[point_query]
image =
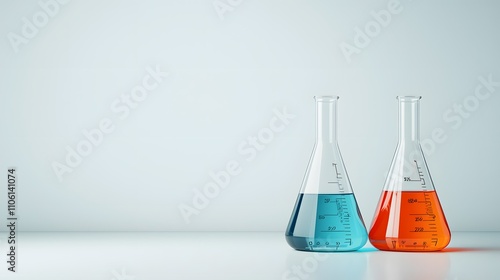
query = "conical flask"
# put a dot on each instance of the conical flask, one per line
(409, 216)
(326, 215)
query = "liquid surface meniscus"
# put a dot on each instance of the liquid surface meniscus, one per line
(409, 221)
(326, 222)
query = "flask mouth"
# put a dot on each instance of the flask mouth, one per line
(326, 98)
(408, 98)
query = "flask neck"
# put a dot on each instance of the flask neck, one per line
(326, 119)
(409, 119)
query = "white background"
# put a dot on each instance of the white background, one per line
(226, 78)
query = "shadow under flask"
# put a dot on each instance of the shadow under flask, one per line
(326, 217)
(409, 216)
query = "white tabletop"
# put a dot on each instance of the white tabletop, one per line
(241, 255)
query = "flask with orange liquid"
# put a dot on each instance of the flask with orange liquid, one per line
(409, 216)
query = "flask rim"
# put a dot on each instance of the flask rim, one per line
(408, 98)
(326, 98)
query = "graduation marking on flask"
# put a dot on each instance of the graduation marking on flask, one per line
(338, 176)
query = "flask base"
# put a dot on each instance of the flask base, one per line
(407, 245)
(324, 245)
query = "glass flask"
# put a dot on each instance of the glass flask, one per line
(326, 217)
(409, 216)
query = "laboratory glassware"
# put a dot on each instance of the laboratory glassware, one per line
(409, 216)
(326, 216)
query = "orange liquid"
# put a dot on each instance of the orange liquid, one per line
(409, 221)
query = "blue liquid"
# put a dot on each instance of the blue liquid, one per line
(326, 223)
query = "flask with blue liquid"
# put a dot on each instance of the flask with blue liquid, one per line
(326, 217)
